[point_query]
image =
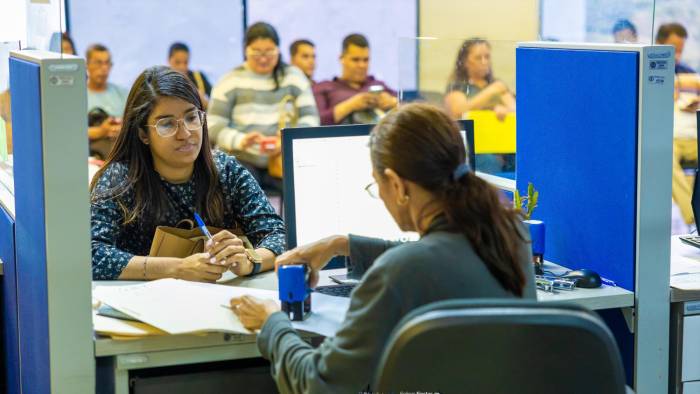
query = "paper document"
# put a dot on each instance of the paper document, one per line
(686, 281)
(122, 328)
(182, 307)
(178, 306)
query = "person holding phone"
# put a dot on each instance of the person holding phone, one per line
(104, 97)
(471, 246)
(161, 171)
(355, 96)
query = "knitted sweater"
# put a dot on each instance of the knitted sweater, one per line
(243, 101)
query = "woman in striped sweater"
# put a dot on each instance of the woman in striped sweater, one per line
(250, 103)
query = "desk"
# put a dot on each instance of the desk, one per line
(684, 369)
(122, 356)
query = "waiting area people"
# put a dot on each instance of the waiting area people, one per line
(250, 105)
(686, 100)
(303, 55)
(105, 101)
(354, 96)
(472, 85)
(179, 60)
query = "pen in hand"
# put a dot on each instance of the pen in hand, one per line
(203, 228)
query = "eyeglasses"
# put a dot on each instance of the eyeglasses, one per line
(255, 54)
(192, 121)
(373, 190)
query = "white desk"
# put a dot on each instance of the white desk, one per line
(685, 320)
(121, 356)
(150, 352)
(605, 297)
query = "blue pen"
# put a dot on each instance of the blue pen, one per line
(201, 225)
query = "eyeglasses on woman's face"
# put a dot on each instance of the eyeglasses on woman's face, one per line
(192, 121)
(373, 190)
(258, 54)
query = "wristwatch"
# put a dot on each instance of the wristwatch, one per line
(255, 260)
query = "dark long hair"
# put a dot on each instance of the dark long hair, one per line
(423, 145)
(263, 30)
(150, 202)
(460, 73)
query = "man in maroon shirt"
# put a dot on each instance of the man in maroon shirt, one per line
(354, 97)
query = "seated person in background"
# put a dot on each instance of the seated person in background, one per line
(105, 101)
(624, 32)
(471, 245)
(67, 45)
(355, 96)
(687, 97)
(6, 115)
(675, 34)
(179, 60)
(162, 171)
(472, 85)
(250, 104)
(303, 55)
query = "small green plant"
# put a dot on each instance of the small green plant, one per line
(526, 205)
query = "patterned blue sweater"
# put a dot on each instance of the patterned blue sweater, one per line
(114, 244)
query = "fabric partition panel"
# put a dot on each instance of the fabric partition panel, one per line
(580, 152)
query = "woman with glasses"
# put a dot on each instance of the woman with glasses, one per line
(162, 171)
(247, 105)
(471, 246)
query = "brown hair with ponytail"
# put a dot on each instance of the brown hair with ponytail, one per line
(422, 144)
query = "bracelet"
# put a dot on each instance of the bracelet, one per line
(145, 260)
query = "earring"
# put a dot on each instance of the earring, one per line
(403, 200)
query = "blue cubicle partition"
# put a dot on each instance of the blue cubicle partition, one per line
(10, 335)
(594, 136)
(579, 150)
(51, 266)
(31, 280)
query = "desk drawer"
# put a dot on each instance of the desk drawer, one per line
(691, 349)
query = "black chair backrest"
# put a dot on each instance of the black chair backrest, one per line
(501, 346)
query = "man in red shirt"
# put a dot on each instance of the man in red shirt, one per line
(355, 96)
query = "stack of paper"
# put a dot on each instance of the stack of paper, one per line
(685, 266)
(175, 306)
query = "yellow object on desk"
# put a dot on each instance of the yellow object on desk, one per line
(492, 135)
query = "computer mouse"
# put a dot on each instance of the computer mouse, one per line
(584, 278)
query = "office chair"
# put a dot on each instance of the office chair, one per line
(501, 346)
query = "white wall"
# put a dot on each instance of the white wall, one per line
(327, 22)
(503, 22)
(139, 33)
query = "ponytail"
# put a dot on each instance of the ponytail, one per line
(474, 208)
(423, 145)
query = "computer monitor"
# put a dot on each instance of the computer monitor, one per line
(326, 170)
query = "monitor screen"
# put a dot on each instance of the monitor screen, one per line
(326, 171)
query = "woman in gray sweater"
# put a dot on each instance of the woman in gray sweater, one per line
(471, 246)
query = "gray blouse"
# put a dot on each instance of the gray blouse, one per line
(395, 280)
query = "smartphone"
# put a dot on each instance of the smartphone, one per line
(376, 89)
(344, 280)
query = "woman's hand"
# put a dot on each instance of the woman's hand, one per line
(252, 311)
(228, 250)
(501, 112)
(316, 255)
(249, 140)
(198, 268)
